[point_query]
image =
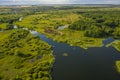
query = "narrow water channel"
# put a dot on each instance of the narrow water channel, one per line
(96, 63)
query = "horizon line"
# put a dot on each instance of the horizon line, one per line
(57, 4)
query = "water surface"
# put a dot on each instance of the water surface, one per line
(96, 63)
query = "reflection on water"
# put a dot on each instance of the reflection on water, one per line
(108, 40)
(62, 27)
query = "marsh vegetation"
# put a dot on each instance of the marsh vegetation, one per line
(28, 57)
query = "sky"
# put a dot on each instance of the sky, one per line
(18, 2)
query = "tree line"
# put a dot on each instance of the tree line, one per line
(98, 24)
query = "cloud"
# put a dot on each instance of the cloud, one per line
(97, 1)
(42, 1)
(112, 1)
(53, 1)
(18, 2)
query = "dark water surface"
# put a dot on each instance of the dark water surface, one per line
(80, 64)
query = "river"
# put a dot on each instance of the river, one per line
(96, 63)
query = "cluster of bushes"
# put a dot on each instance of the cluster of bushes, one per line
(24, 56)
(11, 40)
(99, 24)
(41, 71)
(9, 18)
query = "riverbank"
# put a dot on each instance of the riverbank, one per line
(76, 38)
(118, 66)
(98, 52)
(116, 44)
